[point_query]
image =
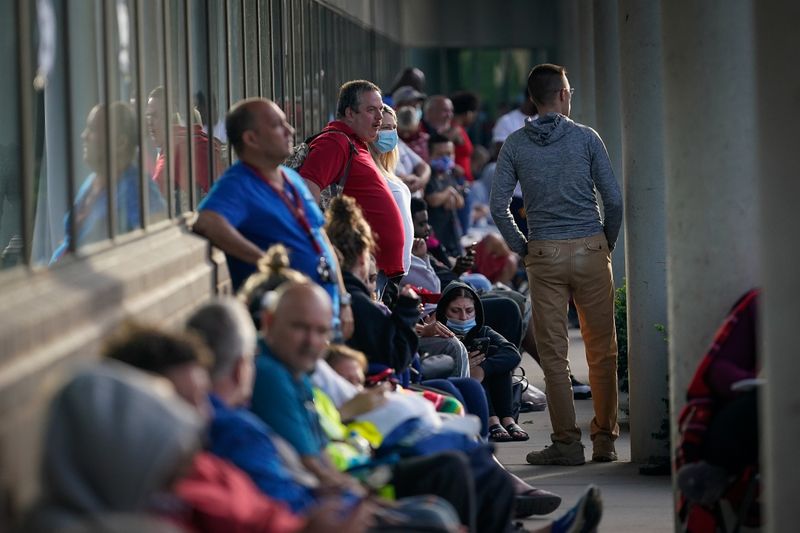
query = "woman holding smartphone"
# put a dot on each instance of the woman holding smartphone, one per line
(492, 358)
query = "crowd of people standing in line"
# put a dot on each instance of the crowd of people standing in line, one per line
(422, 328)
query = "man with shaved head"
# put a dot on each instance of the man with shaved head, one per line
(259, 202)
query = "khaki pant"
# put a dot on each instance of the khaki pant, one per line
(581, 268)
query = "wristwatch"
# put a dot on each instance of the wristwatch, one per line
(345, 299)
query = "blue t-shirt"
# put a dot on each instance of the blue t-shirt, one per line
(286, 404)
(242, 438)
(257, 211)
(94, 226)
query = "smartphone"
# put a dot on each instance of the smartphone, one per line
(481, 344)
(377, 379)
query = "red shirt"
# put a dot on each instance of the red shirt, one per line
(325, 164)
(464, 154)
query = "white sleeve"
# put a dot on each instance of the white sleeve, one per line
(339, 389)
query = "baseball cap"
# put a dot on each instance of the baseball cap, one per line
(407, 93)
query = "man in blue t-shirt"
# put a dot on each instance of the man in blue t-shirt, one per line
(259, 202)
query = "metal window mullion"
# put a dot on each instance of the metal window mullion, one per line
(144, 179)
(190, 170)
(211, 93)
(108, 58)
(165, 16)
(259, 73)
(68, 118)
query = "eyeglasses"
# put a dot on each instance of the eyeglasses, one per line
(571, 90)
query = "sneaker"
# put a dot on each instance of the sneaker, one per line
(580, 391)
(535, 502)
(603, 450)
(558, 453)
(584, 517)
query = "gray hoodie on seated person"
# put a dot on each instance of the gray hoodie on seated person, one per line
(115, 436)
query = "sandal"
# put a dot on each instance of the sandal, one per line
(516, 433)
(498, 434)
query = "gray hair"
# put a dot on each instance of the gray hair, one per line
(226, 327)
(407, 117)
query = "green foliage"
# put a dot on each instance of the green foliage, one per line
(621, 321)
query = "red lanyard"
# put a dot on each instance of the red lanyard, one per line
(296, 207)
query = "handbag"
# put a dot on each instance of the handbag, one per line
(437, 366)
(519, 384)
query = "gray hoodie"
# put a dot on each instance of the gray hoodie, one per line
(114, 437)
(559, 165)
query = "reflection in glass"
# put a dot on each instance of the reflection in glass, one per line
(89, 213)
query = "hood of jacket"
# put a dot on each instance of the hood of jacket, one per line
(548, 129)
(449, 294)
(114, 437)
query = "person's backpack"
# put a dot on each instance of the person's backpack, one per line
(703, 487)
(301, 151)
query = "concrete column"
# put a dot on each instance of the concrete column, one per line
(607, 97)
(568, 45)
(645, 223)
(712, 222)
(585, 90)
(777, 89)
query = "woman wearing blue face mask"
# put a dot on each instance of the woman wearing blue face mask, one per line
(491, 363)
(385, 153)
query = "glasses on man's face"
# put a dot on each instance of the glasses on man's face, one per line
(571, 90)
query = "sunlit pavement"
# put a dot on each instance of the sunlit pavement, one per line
(631, 502)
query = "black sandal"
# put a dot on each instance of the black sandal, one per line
(498, 434)
(516, 433)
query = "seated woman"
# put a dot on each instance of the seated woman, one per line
(385, 335)
(492, 357)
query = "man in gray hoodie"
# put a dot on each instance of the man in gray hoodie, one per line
(561, 166)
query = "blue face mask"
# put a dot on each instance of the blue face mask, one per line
(386, 141)
(461, 326)
(443, 164)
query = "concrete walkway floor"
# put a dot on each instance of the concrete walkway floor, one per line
(631, 502)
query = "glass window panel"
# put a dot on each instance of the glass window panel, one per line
(278, 70)
(218, 65)
(252, 47)
(11, 249)
(236, 54)
(208, 154)
(77, 169)
(179, 113)
(287, 43)
(265, 47)
(153, 71)
(297, 45)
